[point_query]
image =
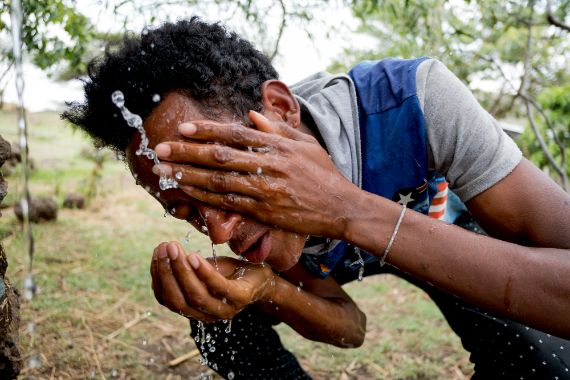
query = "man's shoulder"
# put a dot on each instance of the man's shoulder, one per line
(386, 83)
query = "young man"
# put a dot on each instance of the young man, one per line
(394, 129)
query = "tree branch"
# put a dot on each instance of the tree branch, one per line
(561, 171)
(281, 30)
(553, 20)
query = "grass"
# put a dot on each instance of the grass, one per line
(95, 315)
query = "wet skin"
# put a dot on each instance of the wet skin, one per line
(191, 286)
(245, 236)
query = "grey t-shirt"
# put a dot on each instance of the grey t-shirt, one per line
(465, 143)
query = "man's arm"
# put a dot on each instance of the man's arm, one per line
(319, 310)
(523, 276)
(301, 191)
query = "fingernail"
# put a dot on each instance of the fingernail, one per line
(194, 261)
(172, 251)
(162, 253)
(163, 150)
(187, 129)
(259, 114)
(162, 169)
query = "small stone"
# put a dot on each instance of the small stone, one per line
(74, 200)
(40, 209)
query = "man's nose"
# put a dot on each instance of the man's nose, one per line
(220, 224)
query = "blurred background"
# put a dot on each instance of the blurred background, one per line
(94, 315)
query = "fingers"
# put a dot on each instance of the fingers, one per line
(225, 201)
(279, 128)
(216, 181)
(236, 294)
(156, 288)
(236, 135)
(217, 284)
(210, 155)
(170, 294)
(194, 291)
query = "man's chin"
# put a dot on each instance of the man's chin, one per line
(283, 264)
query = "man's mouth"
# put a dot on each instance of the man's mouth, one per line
(259, 249)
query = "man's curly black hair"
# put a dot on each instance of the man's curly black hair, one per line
(213, 66)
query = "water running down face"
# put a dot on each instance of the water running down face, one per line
(253, 240)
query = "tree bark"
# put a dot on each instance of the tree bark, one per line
(10, 355)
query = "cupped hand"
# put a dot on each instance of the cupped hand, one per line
(198, 288)
(276, 174)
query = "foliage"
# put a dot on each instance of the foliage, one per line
(556, 102)
(53, 32)
(522, 47)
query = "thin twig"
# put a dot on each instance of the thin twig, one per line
(523, 93)
(281, 30)
(115, 306)
(113, 340)
(553, 20)
(127, 325)
(183, 358)
(93, 348)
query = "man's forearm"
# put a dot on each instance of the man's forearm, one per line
(333, 320)
(526, 284)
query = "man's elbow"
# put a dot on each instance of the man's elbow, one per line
(355, 337)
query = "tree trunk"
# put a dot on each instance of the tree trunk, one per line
(10, 356)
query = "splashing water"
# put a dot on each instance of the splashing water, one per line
(215, 257)
(187, 237)
(29, 287)
(135, 121)
(228, 327)
(16, 29)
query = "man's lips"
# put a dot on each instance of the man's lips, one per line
(259, 250)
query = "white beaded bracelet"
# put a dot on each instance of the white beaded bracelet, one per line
(393, 237)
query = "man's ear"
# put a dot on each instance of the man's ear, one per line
(279, 103)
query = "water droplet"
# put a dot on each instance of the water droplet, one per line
(178, 175)
(29, 286)
(212, 349)
(187, 237)
(114, 372)
(172, 211)
(34, 362)
(144, 31)
(231, 375)
(152, 45)
(156, 97)
(259, 171)
(228, 327)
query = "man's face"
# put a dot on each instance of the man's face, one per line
(246, 237)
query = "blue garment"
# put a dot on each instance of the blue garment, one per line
(394, 147)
